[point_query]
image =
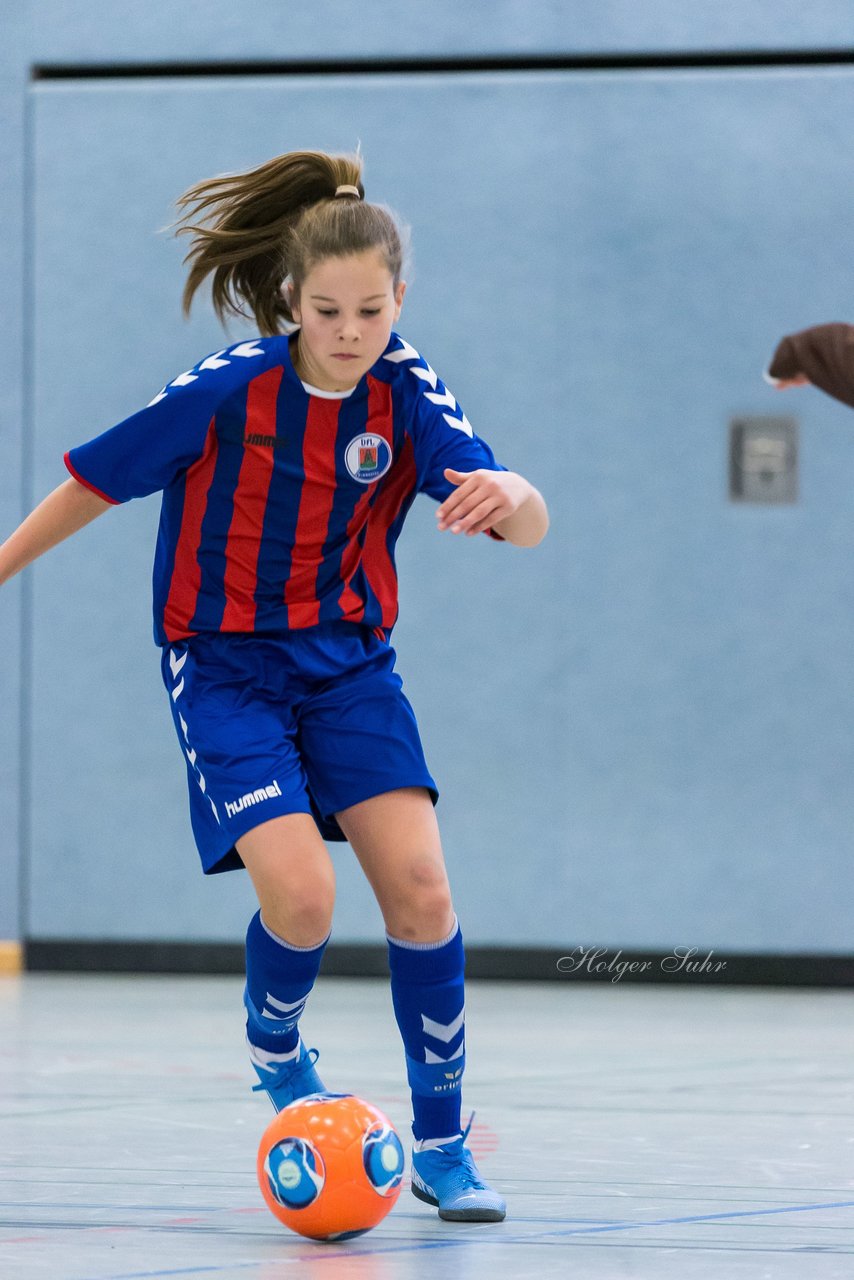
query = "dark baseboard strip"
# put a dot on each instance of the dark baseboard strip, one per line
(431, 64)
(703, 967)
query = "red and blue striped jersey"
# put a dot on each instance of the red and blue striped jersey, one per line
(281, 504)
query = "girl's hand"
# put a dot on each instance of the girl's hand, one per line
(481, 500)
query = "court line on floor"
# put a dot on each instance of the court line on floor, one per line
(702, 1217)
(581, 1227)
(496, 1239)
(298, 1260)
(418, 1246)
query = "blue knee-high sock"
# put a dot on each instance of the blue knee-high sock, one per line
(279, 978)
(427, 991)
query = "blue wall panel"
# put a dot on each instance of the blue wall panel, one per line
(132, 339)
(12, 450)
(125, 31)
(641, 728)
(709, 669)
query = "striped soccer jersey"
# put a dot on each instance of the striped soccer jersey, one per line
(281, 504)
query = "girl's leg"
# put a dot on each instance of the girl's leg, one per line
(396, 839)
(294, 879)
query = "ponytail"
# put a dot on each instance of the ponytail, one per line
(252, 230)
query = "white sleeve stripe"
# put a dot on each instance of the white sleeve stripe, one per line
(447, 399)
(456, 418)
(459, 424)
(245, 349)
(426, 375)
(403, 352)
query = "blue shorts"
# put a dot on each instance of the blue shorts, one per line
(308, 721)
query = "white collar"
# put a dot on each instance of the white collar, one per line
(327, 395)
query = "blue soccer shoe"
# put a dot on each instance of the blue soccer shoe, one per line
(284, 1082)
(447, 1177)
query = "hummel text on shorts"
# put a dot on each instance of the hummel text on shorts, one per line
(252, 797)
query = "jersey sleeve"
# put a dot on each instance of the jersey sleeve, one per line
(444, 437)
(149, 450)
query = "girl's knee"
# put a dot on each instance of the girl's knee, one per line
(300, 913)
(299, 926)
(293, 877)
(422, 910)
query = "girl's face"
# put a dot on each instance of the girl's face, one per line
(346, 309)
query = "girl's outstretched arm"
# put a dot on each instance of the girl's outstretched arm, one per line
(62, 513)
(499, 500)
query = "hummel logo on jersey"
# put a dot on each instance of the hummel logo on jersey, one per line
(267, 442)
(252, 797)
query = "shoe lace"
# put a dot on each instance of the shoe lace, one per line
(463, 1160)
(287, 1071)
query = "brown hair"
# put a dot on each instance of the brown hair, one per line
(253, 229)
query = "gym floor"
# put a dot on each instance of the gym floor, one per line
(636, 1131)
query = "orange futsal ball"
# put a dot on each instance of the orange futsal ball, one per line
(330, 1166)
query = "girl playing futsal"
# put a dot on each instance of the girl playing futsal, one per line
(288, 464)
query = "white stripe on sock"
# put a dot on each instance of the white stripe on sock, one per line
(289, 946)
(430, 1144)
(425, 946)
(269, 1061)
(282, 1012)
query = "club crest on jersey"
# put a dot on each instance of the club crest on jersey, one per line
(367, 458)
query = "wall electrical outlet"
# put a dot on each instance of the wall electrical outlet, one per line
(763, 459)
